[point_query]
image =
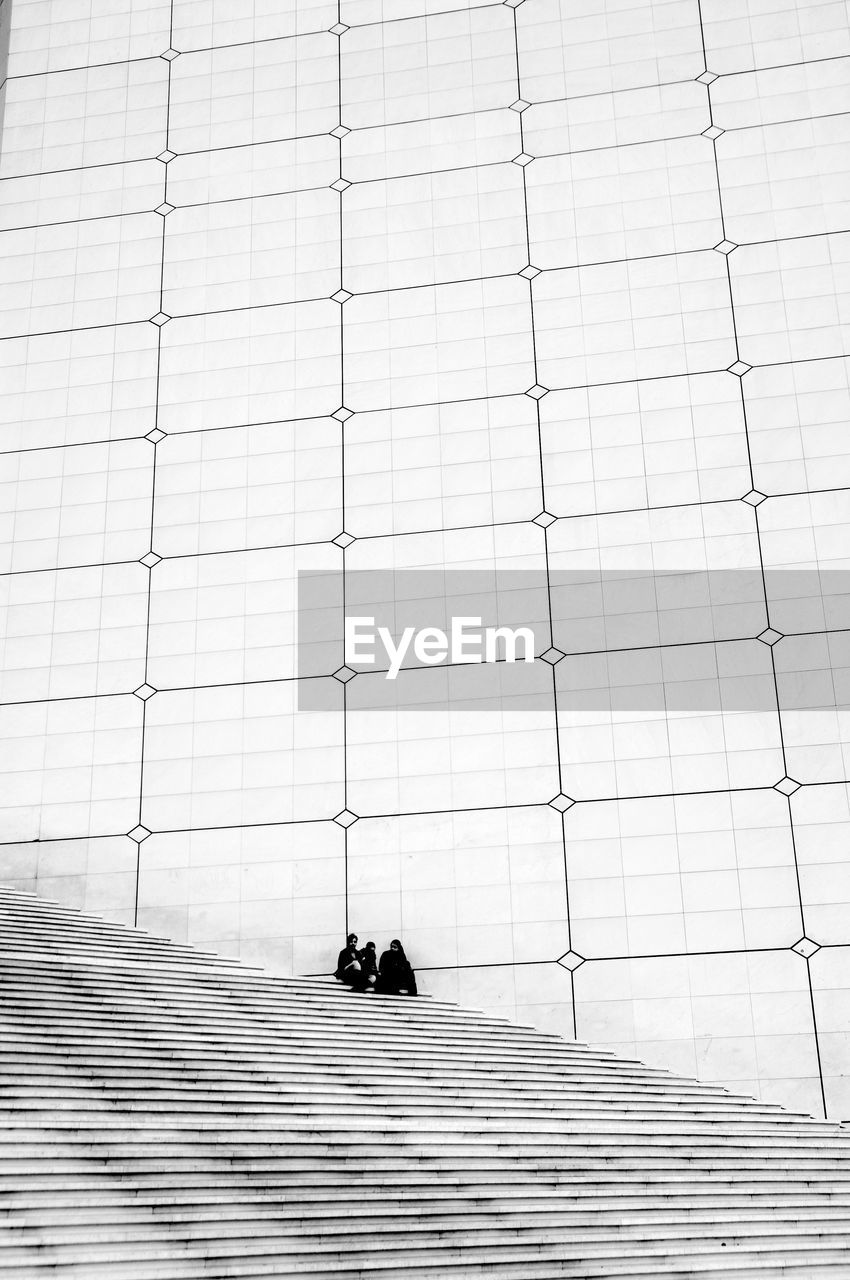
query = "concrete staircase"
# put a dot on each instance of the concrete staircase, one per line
(167, 1114)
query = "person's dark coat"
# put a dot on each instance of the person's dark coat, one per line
(395, 972)
(347, 957)
(369, 960)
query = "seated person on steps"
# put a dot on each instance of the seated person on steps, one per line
(369, 962)
(349, 967)
(395, 975)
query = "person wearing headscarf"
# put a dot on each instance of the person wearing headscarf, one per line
(369, 962)
(395, 975)
(349, 965)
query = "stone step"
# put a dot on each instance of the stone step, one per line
(409, 1187)
(490, 1189)
(242, 1258)
(231, 1019)
(69, 1070)
(475, 1049)
(122, 1227)
(312, 1135)
(448, 1161)
(335, 1108)
(799, 1265)
(49, 1056)
(270, 1105)
(84, 1078)
(229, 980)
(307, 1069)
(276, 1098)
(76, 1224)
(464, 1135)
(77, 947)
(17, 1046)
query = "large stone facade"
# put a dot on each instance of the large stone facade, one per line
(542, 289)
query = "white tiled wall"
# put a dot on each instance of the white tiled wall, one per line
(297, 277)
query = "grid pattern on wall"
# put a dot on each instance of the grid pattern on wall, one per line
(368, 285)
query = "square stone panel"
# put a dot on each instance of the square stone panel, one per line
(490, 880)
(240, 755)
(71, 767)
(686, 873)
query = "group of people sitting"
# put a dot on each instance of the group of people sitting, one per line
(363, 971)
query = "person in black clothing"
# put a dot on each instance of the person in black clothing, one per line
(395, 975)
(349, 966)
(369, 962)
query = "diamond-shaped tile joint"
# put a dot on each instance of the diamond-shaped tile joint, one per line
(165, 157)
(544, 519)
(725, 247)
(340, 131)
(342, 414)
(707, 77)
(537, 392)
(341, 184)
(739, 368)
(787, 785)
(754, 498)
(155, 436)
(150, 560)
(160, 319)
(519, 106)
(806, 947)
(341, 296)
(770, 636)
(513, 4)
(712, 132)
(345, 818)
(344, 674)
(522, 159)
(164, 209)
(561, 802)
(144, 692)
(170, 54)
(572, 961)
(338, 29)
(343, 539)
(552, 656)
(139, 834)
(529, 272)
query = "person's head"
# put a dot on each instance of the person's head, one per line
(396, 946)
(351, 940)
(370, 946)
